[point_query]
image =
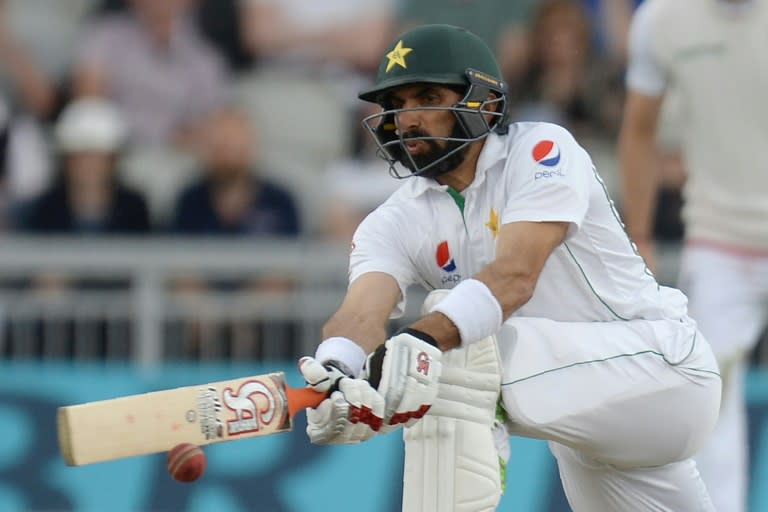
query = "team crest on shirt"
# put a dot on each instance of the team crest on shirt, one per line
(493, 222)
(546, 153)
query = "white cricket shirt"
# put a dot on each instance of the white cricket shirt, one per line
(714, 54)
(535, 173)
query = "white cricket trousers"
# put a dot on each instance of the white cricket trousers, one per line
(728, 296)
(624, 405)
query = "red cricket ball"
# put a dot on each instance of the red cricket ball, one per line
(186, 462)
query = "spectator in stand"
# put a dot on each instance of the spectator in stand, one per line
(355, 185)
(611, 19)
(310, 58)
(231, 198)
(86, 197)
(566, 83)
(153, 62)
(37, 46)
(218, 21)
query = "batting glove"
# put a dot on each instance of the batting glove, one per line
(405, 370)
(353, 411)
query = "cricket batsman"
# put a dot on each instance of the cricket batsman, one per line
(538, 303)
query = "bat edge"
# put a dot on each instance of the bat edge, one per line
(64, 438)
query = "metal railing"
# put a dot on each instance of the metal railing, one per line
(143, 315)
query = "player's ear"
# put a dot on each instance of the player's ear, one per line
(491, 104)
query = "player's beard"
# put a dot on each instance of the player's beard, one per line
(437, 150)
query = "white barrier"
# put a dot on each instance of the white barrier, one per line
(141, 315)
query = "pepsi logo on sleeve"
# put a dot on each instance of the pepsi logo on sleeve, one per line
(546, 153)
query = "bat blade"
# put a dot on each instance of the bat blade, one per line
(157, 421)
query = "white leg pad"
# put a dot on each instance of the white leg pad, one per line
(451, 459)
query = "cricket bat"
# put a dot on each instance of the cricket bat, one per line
(158, 421)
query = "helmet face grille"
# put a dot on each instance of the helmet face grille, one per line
(471, 125)
(444, 55)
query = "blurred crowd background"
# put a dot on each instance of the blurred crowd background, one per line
(145, 125)
(240, 117)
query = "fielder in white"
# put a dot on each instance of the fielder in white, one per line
(712, 54)
(540, 300)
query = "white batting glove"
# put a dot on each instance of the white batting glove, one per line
(353, 411)
(320, 377)
(405, 370)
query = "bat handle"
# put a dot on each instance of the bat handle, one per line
(301, 398)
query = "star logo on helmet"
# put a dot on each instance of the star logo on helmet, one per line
(397, 56)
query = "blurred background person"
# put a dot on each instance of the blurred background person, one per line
(232, 197)
(610, 20)
(217, 20)
(356, 185)
(37, 40)
(86, 196)
(85, 199)
(710, 55)
(310, 59)
(151, 60)
(566, 81)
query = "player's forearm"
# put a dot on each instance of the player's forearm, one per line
(440, 328)
(362, 316)
(511, 289)
(639, 173)
(638, 164)
(362, 330)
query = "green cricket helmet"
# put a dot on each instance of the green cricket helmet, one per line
(444, 55)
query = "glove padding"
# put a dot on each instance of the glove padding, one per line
(405, 370)
(352, 413)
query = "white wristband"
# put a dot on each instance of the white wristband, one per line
(473, 308)
(343, 350)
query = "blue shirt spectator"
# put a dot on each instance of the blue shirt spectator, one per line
(271, 212)
(231, 198)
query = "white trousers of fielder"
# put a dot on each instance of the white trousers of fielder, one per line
(727, 295)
